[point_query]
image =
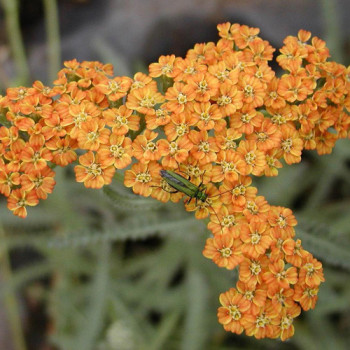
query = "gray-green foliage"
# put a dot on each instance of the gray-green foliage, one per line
(126, 272)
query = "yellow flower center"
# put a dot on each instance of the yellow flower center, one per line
(249, 295)
(251, 38)
(230, 143)
(120, 120)
(160, 113)
(143, 177)
(194, 171)
(252, 207)
(309, 136)
(294, 90)
(281, 298)
(255, 268)
(255, 238)
(273, 95)
(21, 203)
(281, 221)
(80, 118)
(259, 74)
(181, 129)
(36, 156)
(225, 252)
(246, 118)
(147, 102)
(173, 147)
(286, 322)
(278, 119)
(117, 151)
(137, 85)
(228, 167)
(113, 86)
(250, 158)
(167, 68)
(94, 169)
(46, 90)
(311, 292)
(182, 98)
(190, 70)
(234, 312)
(204, 146)
(203, 86)
(287, 145)
(151, 146)
(241, 66)
(222, 75)
(309, 269)
(261, 321)
(38, 182)
(205, 116)
(262, 136)
(92, 136)
(281, 275)
(228, 221)
(248, 91)
(239, 190)
(279, 243)
(302, 117)
(270, 161)
(21, 92)
(224, 100)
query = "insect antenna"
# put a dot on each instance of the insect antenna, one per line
(217, 216)
(220, 193)
(180, 171)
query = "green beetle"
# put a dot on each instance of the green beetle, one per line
(181, 184)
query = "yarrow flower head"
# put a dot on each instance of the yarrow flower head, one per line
(216, 118)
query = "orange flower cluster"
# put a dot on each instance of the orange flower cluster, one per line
(219, 115)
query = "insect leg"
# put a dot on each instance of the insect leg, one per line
(180, 171)
(217, 216)
(175, 191)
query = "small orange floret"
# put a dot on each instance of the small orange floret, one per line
(142, 177)
(19, 199)
(224, 250)
(93, 171)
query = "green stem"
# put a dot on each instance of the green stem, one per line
(166, 83)
(4, 80)
(332, 28)
(134, 134)
(9, 298)
(13, 29)
(53, 38)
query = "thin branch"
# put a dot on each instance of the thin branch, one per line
(53, 38)
(333, 37)
(11, 10)
(10, 299)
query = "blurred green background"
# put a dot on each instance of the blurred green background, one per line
(107, 270)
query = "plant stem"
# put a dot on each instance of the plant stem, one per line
(333, 36)
(53, 38)
(16, 42)
(9, 298)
